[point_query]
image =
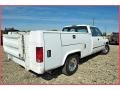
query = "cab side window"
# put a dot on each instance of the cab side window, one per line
(98, 32)
(95, 31)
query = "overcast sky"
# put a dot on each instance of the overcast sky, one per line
(56, 17)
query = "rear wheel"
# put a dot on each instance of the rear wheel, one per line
(106, 49)
(71, 65)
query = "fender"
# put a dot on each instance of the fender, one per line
(70, 53)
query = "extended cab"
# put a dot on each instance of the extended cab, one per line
(41, 51)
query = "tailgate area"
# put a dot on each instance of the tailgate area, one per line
(13, 44)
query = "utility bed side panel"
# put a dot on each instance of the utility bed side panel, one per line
(77, 41)
(52, 50)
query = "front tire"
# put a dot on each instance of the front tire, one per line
(106, 50)
(71, 65)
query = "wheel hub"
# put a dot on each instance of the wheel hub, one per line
(105, 50)
(72, 64)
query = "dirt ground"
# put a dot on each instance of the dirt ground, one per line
(95, 69)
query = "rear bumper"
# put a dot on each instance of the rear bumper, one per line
(37, 69)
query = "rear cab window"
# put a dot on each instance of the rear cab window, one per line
(82, 29)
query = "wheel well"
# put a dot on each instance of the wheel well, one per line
(76, 53)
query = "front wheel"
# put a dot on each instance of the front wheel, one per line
(106, 50)
(71, 65)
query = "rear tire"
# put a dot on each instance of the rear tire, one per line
(106, 50)
(71, 65)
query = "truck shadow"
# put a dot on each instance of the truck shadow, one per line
(54, 74)
(49, 75)
(57, 72)
(114, 44)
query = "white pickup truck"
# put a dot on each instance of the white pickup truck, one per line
(41, 51)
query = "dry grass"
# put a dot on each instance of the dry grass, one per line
(96, 69)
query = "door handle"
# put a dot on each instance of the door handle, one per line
(74, 36)
(98, 39)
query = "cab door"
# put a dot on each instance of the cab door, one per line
(97, 39)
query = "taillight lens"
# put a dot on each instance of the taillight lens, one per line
(39, 54)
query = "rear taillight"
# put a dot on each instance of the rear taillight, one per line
(39, 54)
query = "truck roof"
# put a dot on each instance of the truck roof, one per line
(79, 25)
